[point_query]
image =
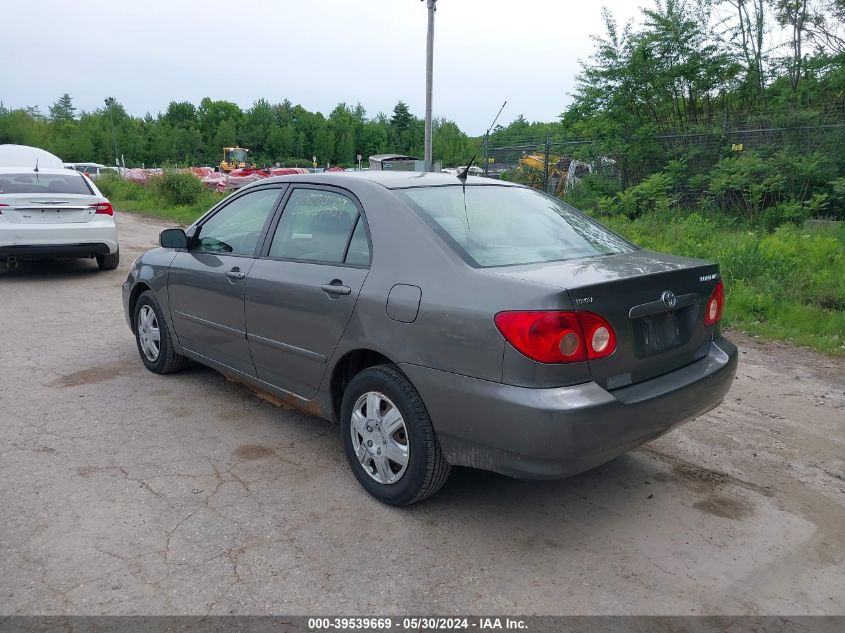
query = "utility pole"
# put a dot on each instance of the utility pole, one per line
(548, 151)
(110, 104)
(429, 74)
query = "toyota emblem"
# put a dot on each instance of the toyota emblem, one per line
(668, 297)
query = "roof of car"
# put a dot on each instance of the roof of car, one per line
(388, 179)
(384, 157)
(14, 155)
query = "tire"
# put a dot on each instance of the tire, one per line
(425, 469)
(166, 361)
(109, 261)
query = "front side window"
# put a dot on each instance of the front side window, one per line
(503, 226)
(235, 228)
(316, 226)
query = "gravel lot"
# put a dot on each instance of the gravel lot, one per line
(125, 492)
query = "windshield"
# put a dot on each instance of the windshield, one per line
(31, 182)
(237, 155)
(503, 226)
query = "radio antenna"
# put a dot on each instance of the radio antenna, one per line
(463, 175)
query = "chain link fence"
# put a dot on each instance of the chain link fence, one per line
(556, 165)
(544, 163)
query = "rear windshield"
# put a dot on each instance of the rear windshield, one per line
(503, 226)
(31, 182)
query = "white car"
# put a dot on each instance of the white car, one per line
(92, 170)
(55, 213)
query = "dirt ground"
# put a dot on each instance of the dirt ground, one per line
(125, 492)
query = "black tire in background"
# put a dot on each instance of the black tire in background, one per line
(109, 261)
(168, 361)
(427, 469)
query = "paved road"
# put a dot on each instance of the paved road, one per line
(125, 492)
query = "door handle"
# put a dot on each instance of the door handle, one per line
(235, 274)
(336, 288)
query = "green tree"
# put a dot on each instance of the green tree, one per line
(63, 110)
(181, 115)
(794, 14)
(402, 118)
(256, 130)
(449, 144)
(211, 117)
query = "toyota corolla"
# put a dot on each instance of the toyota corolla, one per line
(440, 322)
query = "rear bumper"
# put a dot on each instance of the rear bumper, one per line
(99, 237)
(553, 433)
(46, 251)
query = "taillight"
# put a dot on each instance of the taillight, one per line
(104, 208)
(557, 337)
(1, 207)
(715, 305)
(599, 336)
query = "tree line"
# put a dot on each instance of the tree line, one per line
(195, 134)
(732, 104)
(659, 101)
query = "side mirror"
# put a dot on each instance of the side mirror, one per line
(173, 238)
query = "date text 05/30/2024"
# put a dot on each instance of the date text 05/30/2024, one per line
(417, 623)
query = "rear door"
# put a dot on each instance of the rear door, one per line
(206, 283)
(301, 292)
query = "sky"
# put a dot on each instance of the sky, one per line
(316, 53)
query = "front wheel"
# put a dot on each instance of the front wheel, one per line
(153, 338)
(388, 438)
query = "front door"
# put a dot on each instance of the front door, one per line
(301, 292)
(206, 283)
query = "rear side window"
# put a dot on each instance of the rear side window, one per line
(358, 253)
(503, 226)
(316, 226)
(32, 182)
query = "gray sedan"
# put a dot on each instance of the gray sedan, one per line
(439, 322)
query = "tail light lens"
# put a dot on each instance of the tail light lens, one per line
(103, 208)
(715, 305)
(598, 334)
(557, 336)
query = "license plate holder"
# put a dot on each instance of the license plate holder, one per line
(657, 333)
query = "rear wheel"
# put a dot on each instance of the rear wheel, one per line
(109, 261)
(153, 338)
(389, 439)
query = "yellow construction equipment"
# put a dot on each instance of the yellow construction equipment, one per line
(234, 158)
(533, 170)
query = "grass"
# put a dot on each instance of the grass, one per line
(783, 285)
(179, 214)
(178, 198)
(786, 285)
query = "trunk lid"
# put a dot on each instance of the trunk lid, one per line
(655, 303)
(58, 208)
